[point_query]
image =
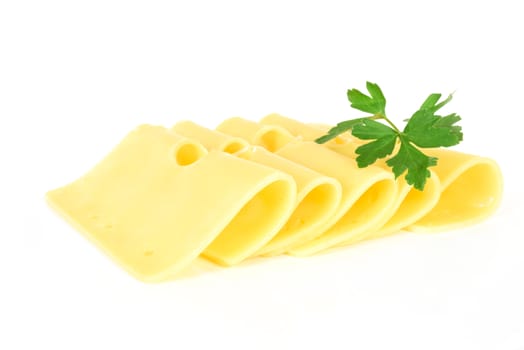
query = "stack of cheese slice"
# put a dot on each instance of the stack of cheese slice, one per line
(164, 197)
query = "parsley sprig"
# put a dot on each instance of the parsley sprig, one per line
(425, 129)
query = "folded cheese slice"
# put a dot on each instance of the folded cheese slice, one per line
(318, 196)
(367, 194)
(472, 189)
(470, 186)
(409, 206)
(159, 200)
(462, 190)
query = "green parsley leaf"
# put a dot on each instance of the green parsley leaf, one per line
(371, 151)
(431, 102)
(369, 129)
(375, 103)
(424, 129)
(385, 139)
(340, 128)
(416, 163)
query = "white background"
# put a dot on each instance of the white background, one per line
(76, 76)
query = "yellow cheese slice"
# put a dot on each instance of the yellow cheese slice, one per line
(318, 196)
(463, 189)
(159, 200)
(367, 194)
(410, 205)
(164, 197)
(471, 191)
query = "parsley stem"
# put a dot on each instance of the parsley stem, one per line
(383, 116)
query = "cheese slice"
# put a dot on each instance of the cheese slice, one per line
(463, 189)
(318, 196)
(471, 191)
(159, 200)
(367, 194)
(162, 198)
(410, 205)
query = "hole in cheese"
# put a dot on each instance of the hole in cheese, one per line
(273, 140)
(234, 146)
(188, 153)
(340, 140)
